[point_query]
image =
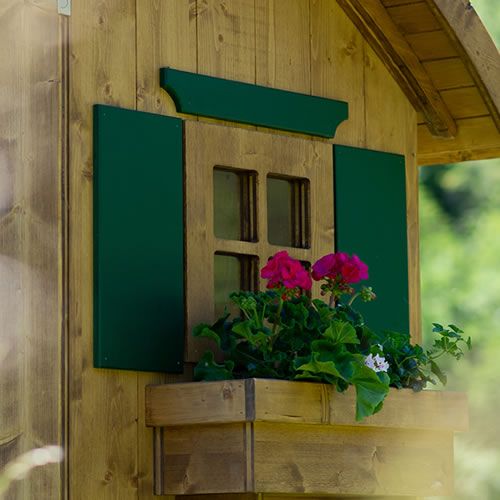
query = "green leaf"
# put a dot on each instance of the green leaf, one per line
(308, 376)
(371, 390)
(456, 329)
(438, 372)
(257, 339)
(206, 331)
(341, 332)
(208, 369)
(316, 366)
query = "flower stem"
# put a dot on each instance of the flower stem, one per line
(331, 302)
(353, 298)
(278, 315)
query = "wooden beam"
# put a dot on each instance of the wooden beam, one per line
(477, 139)
(372, 19)
(475, 46)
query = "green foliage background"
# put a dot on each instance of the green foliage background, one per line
(460, 259)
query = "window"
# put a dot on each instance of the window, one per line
(269, 192)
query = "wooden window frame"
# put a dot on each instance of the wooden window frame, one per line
(209, 145)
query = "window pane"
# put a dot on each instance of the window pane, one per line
(288, 212)
(227, 205)
(234, 204)
(227, 279)
(231, 274)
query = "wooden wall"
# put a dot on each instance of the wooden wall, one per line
(117, 47)
(115, 50)
(31, 238)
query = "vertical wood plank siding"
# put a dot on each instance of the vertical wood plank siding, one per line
(31, 229)
(117, 48)
(103, 449)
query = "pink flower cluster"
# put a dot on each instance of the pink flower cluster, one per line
(283, 271)
(340, 267)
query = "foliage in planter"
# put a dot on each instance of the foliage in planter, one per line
(284, 334)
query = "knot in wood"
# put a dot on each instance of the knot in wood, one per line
(227, 392)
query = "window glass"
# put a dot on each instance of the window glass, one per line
(288, 212)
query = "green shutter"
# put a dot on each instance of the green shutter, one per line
(370, 220)
(138, 241)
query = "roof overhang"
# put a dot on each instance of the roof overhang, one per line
(445, 61)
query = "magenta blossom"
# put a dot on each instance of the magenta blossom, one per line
(341, 268)
(283, 271)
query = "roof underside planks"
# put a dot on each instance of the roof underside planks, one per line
(443, 58)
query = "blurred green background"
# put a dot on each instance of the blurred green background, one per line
(460, 269)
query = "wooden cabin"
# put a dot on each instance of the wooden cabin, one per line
(114, 114)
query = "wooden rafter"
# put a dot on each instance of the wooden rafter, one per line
(372, 19)
(475, 46)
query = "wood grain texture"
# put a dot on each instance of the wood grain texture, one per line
(205, 458)
(431, 45)
(226, 39)
(11, 240)
(301, 459)
(265, 153)
(387, 41)
(477, 139)
(31, 315)
(448, 73)
(166, 36)
(195, 403)
(337, 66)
(289, 459)
(103, 403)
(393, 3)
(281, 437)
(476, 47)
(283, 44)
(414, 17)
(282, 401)
(465, 102)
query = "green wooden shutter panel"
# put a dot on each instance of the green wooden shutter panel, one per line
(370, 220)
(248, 103)
(138, 241)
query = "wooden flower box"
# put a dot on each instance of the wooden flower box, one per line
(279, 437)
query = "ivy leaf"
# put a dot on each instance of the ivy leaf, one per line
(206, 331)
(456, 329)
(341, 332)
(208, 369)
(438, 372)
(371, 390)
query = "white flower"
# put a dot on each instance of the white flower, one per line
(376, 363)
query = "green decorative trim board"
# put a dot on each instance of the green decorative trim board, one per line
(246, 103)
(138, 241)
(370, 220)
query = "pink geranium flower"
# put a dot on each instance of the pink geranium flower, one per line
(340, 267)
(283, 271)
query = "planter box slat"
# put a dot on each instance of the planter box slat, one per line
(294, 438)
(195, 403)
(300, 402)
(364, 461)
